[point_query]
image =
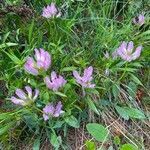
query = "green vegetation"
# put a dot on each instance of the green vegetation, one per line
(99, 99)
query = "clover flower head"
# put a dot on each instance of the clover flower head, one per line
(125, 51)
(42, 61)
(50, 11)
(24, 98)
(85, 80)
(51, 110)
(54, 82)
(139, 20)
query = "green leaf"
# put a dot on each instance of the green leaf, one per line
(58, 124)
(46, 96)
(136, 80)
(36, 145)
(31, 120)
(117, 140)
(135, 113)
(127, 112)
(6, 36)
(115, 90)
(60, 94)
(99, 132)
(90, 145)
(72, 121)
(132, 88)
(14, 58)
(55, 140)
(5, 128)
(9, 44)
(47, 1)
(128, 147)
(92, 105)
(68, 69)
(5, 116)
(122, 112)
(31, 31)
(127, 69)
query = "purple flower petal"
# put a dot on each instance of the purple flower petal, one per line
(53, 75)
(29, 90)
(56, 82)
(17, 101)
(141, 19)
(137, 53)
(88, 72)
(36, 94)
(49, 109)
(85, 80)
(42, 54)
(130, 47)
(47, 60)
(29, 66)
(31, 70)
(48, 82)
(125, 51)
(45, 117)
(76, 75)
(58, 109)
(24, 99)
(50, 11)
(37, 54)
(21, 94)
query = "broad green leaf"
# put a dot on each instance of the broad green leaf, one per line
(92, 105)
(127, 112)
(46, 96)
(122, 112)
(55, 140)
(31, 120)
(72, 121)
(36, 145)
(58, 124)
(90, 145)
(128, 147)
(135, 113)
(99, 132)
